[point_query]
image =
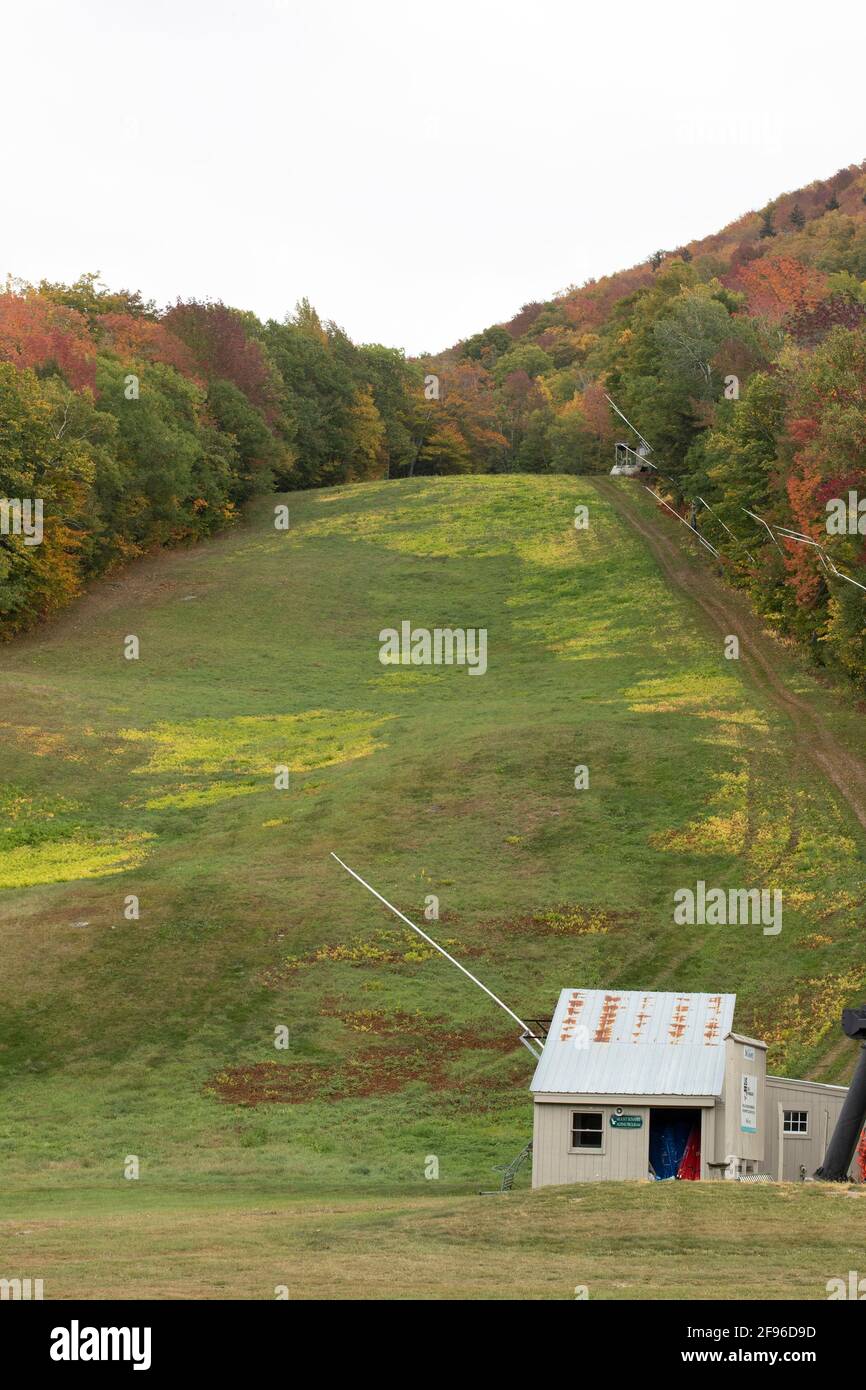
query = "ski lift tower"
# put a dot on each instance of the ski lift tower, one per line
(629, 462)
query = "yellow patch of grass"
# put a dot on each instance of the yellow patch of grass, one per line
(255, 743)
(62, 861)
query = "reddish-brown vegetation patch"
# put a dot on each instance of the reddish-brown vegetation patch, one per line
(425, 1049)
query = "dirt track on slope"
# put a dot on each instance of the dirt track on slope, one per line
(759, 651)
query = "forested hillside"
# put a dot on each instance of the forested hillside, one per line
(741, 358)
(139, 429)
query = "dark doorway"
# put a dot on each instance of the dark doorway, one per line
(675, 1143)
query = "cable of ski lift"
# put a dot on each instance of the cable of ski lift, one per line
(787, 532)
(755, 517)
(828, 563)
(704, 542)
(727, 528)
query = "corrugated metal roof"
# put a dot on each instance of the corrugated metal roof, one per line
(630, 1042)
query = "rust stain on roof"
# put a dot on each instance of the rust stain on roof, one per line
(607, 1017)
(642, 1018)
(711, 1027)
(679, 1018)
(636, 1042)
(572, 1010)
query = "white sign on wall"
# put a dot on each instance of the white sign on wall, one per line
(749, 1105)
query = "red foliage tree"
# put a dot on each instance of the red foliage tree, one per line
(34, 332)
(597, 411)
(218, 340)
(812, 323)
(522, 322)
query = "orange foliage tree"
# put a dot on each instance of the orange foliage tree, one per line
(147, 340)
(780, 285)
(34, 332)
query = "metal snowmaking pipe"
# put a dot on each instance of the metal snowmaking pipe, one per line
(643, 458)
(828, 564)
(614, 405)
(703, 542)
(727, 528)
(755, 517)
(527, 1031)
(852, 1116)
(784, 531)
(846, 577)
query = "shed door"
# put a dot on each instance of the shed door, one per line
(675, 1143)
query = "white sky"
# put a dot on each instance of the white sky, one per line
(418, 170)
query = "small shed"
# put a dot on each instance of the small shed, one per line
(636, 1084)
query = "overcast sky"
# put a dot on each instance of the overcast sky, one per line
(418, 170)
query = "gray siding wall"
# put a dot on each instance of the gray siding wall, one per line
(626, 1151)
(822, 1104)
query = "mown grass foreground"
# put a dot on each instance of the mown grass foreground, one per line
(597, 1241)
(154, 1037)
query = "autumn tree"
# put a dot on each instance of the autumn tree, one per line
(90, 298)
(224, 350)
(779, 285)
(42, 463)
(689, 335)
(367, 457)
(486, 347)
(49, 337)
(137, 338)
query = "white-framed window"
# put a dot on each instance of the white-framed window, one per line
(795, 1122)
(587, 1131)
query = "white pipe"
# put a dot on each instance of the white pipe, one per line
(755, 516)
(840, 575)
(797, 536)
(683, 520)
(525, 1026)
(727, 528)
(628, 422)
(825, 558)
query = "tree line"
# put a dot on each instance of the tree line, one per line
(136, 428)
(741, 357)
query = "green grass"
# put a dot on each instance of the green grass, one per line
(155, 778)
(599, 1241)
